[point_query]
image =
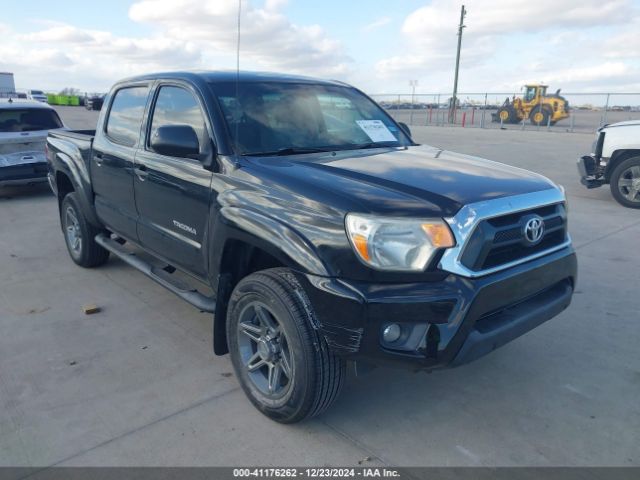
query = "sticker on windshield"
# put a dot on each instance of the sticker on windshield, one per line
(376, 130)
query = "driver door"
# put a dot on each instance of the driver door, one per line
(173, 193)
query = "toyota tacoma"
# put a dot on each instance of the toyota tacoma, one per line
(312, 227)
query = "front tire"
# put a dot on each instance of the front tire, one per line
(625, 183)
(79, 234)
(284, 366)
(507, 114)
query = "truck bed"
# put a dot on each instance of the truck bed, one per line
(78, 134)
(80, 140)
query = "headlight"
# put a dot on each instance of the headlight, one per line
(397, 243)
(566, 200)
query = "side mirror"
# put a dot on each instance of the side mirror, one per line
(405, 128)
(175, 141)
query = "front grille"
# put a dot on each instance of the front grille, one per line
(501, 240)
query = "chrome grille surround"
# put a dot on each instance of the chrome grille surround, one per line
(465, 221)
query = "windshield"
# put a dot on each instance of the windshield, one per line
(28, 119)
(289, 118)
(530, 94)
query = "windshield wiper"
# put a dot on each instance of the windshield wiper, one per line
(288, 151)
(359, 146)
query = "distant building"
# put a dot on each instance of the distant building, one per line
(7, 85)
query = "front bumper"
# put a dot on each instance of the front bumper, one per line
(591, 174)
(447, 323)
(23, 174)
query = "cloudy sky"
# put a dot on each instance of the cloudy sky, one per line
(378, 45)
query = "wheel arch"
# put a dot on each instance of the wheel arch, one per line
(70, 177)
(240, 248)
(617, 157)
(64, 185)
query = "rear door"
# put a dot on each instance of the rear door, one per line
(114, 151)
(173, 193)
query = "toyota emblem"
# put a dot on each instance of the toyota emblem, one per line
(534, 230)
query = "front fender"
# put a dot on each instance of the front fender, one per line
(271, 235)
(257, 230)
(620, 138)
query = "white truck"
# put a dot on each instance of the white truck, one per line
(615, 159)
(7, 85)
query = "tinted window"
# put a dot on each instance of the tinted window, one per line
(275, 116)
(177, 106)
(125, 117)
(28, 119)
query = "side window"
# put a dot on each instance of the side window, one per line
(125, 116)
(177, 106)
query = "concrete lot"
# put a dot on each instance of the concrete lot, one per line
(137, 384)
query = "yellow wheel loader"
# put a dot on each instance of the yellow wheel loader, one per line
(536, 105)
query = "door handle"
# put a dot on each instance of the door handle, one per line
(98, 158)
(141, 172)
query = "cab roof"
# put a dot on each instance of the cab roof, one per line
(215, 76)
(6, 103)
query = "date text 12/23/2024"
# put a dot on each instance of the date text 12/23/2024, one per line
(312, 473)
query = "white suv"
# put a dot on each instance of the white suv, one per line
(37, 95)
(615, 159)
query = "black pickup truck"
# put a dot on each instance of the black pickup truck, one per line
(311, 225)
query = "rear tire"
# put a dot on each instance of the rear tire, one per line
(271, 336)
(539, 116)
(79, 234)
(625, 183)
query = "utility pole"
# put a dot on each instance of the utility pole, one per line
(412, 84)
(452, 107)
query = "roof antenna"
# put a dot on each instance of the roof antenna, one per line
(238, 80)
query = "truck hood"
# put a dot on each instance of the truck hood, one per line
(626, 123)
(420, 180)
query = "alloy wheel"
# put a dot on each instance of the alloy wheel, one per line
(264, 351)
(72, 231)
(629, 184)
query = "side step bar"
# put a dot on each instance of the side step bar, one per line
(163, 277)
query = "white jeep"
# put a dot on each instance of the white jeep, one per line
(615, 159)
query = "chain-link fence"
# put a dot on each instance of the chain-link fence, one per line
(587, 111)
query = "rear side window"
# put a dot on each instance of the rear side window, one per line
(125, 116)
(28, 119)
(177, 106)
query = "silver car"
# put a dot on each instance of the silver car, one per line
(24, 125)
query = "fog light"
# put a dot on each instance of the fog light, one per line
(391, 333)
